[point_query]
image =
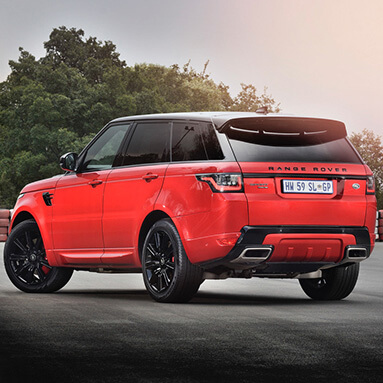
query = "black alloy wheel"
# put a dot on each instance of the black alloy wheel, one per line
(168, 274)
(26, 263)
(159, 263)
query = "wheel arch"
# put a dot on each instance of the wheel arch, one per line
(24, 213)
(148, 222)
(21, 217)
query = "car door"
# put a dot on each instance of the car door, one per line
(78, 200)
(132, 189)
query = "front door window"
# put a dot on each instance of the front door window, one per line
(102, 154)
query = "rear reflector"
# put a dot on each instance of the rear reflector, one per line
(228, 241)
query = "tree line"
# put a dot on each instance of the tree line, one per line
(370, 147)
(57, 103)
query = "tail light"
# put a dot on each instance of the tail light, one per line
(223, 182)
(370, 185)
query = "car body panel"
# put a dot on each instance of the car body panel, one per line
(301, 247)
(200, 215)
(77, 210)
(128, 199)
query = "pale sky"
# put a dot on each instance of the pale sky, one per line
(320, 58)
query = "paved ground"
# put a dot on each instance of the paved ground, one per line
(105, 328)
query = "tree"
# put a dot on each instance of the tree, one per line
(90, 57)
(370, 147)
(248, 100)
(57, 103)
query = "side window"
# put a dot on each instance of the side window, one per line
(193, 142)
(149, 144)
(102, 153)
(212, 146)
(187, 144)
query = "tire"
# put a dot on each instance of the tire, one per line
(26, 264)
(335, 284)
(168, 274)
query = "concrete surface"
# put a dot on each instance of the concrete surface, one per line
(105, 328)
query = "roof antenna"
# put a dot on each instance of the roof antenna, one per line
(262, 110)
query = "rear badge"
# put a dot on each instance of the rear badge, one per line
(260, 186)
(355, 186)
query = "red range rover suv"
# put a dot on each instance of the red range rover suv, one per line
(192, 196)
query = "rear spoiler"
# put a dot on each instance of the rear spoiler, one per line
(291, 128)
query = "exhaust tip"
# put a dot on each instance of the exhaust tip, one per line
(356, 253)
(254, 254)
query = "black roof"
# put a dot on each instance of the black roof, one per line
(220, 119)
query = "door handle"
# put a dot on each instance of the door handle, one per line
(149, 176)
(94, 183)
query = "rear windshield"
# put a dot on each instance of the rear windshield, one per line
(338, 151)
(292, 142)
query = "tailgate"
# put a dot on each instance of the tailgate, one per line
(305, 194)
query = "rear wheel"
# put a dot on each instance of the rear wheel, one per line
(168, 274)
(26, 263)
(335, 284)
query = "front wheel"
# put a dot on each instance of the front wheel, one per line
(26, 263)
(168, 274)
(335, 284)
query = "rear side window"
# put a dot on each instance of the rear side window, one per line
(193, 142)
(149, 144)
(295, 141)
(187, 144)
(210, 140)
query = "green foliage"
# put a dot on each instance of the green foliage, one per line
(57, 103)
(370, 147)
(248, 100)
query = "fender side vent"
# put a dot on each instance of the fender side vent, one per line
(47, 197)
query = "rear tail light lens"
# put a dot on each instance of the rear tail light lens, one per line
(223, 182)
(370, 185)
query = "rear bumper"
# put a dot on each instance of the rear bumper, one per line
(295, 249)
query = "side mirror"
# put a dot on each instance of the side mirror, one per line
(68, 162)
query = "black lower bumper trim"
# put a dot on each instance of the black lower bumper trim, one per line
(254, 235)
(251, 234)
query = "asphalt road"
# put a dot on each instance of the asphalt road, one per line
(105, 328)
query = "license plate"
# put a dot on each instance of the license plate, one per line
(307, 186)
